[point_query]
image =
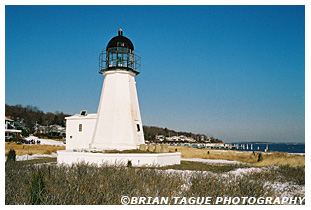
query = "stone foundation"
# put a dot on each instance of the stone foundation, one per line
(137, 159)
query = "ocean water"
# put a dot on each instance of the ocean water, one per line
(276, 147)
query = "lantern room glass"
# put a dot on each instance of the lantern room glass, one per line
(119, 58)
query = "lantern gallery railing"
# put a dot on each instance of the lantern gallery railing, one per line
(119, 58)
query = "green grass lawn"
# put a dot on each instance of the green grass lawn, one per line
(39, 161)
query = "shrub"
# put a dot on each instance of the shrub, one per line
(25, 132)
(260, 157)
(11, 156)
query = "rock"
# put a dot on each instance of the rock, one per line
(164, 148)
(158, 148)
(142, 147)
(150, 148)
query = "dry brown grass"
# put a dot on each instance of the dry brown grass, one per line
(88, 184)
(281, 159)
(187, 152)
(51, 138)
(22, 149)
(269, 159)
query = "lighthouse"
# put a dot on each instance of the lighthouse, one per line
(118, 124)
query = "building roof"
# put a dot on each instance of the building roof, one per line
(12, 131)
(80, 117)
(8, 119)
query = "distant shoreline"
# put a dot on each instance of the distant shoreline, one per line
(294, 148)
(263, 142)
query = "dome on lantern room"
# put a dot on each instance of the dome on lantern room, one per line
(120, 41)
(119, 54)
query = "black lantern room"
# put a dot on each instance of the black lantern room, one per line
(119, 54)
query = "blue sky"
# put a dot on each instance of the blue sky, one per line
(234, 72)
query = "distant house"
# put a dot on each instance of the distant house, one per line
(191, 140)
(182, 138)
(209, 140)
(160, 137)
(174, 138)
(202, 138)
(56, 130)
(12, 128)
(41, 129)
(53, 130)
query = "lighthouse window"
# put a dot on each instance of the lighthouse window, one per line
(120, 60)
(138, 128)
(80, 127)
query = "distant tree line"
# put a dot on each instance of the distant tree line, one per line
(30, 115)
(150, 133)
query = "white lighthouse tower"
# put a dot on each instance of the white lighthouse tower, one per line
(118, 124)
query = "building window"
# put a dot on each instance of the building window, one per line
(138, 128)
(80, 127)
